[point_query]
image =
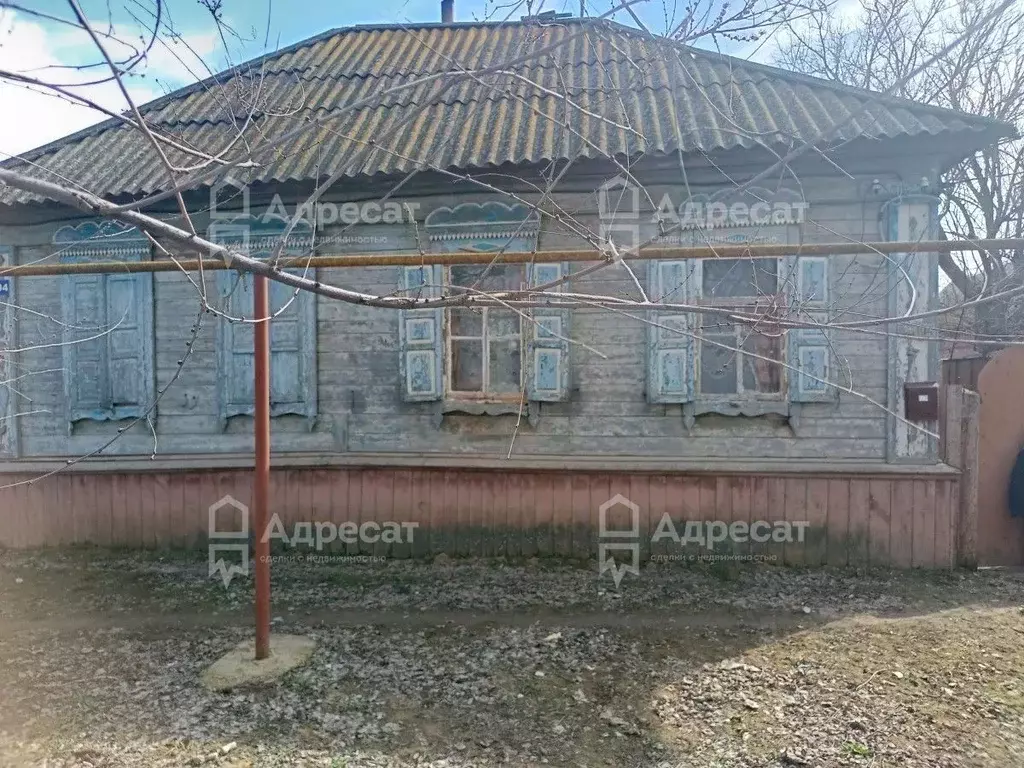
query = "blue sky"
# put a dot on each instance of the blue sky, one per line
(35, 45)
(290, 22)
(265, 25)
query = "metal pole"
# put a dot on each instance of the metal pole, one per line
(261, 490)
(658, 253)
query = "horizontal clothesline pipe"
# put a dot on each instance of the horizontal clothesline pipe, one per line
(657, 253)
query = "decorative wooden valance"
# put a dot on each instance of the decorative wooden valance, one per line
(262, 234)
(103, 239)
(491, 221)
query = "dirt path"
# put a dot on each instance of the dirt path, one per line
(640, 621)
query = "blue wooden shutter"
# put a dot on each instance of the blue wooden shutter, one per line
(547, 356)
(129, 352)
(671, 370)
(235, 346)
(421, 343)
(809, 352)
(292, 349)
(108, 334)
(86, 376)
(293, 363)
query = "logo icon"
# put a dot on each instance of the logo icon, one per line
(234, 541)
(624, 541)
(618, 207)
(231, 195)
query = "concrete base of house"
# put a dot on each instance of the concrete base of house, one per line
(238, 667)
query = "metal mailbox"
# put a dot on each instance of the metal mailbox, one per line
(922, 401)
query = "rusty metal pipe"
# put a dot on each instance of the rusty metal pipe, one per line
(261, 487)
(658, 253)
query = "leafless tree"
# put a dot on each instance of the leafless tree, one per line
(982, 196)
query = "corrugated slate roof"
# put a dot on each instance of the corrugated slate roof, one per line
(628, 94)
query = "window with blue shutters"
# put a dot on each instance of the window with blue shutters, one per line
(707, 357)
(108, 324)
(293, 364)
(485, 354)
(727, 366)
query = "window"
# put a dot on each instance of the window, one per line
(749, 286)
(706, 357)
(485, 349)
(487, 354)
(108, 325)
(293, 364)
(724, 371)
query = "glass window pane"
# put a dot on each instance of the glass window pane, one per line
(506, 277)
(466, 274)
(718, 365)
(715, 325)
(467, 366)
(503, 330)
(489, 277)
(761, 375)
(506, 367)
(467, 322)
(502, 322)
(730, 278)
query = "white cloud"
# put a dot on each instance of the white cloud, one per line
(184, 60)
(33, 49)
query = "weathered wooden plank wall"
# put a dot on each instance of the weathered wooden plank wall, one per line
(359, 385)
(904, 520)
(963, 371)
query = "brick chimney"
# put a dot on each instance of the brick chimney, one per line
(447, 11)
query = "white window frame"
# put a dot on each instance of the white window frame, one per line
(485, 339)
(744, 305)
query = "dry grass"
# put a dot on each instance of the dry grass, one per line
(941, 689)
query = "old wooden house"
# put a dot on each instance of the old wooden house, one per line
(495, 432)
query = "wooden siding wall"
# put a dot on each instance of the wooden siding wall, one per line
(963, 371)
(360, 408)
(900, 520)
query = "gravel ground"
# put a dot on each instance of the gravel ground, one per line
(497, 663)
